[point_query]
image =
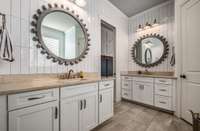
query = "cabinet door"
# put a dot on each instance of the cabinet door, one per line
(143, 92)
(3, 114)
(69, 114)
(105, 105)
(43, 117)
(89, 113)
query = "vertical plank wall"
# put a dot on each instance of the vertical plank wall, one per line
(164, 13)
(27, 57)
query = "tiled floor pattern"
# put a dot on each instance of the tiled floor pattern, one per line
(132, 117)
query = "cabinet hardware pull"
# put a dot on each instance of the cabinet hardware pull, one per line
(100, 98)
(125, 84)
(85, 104)
(56, 112)
(81, 104)
(35, 98)
(163, 90)
(163, 102)
(106, 84)
(126, 94)
(162, 80)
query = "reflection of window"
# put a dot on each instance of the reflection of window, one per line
(70, 43)
(52, 44)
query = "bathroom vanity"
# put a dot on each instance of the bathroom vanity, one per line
(155, 90)
(65, 105)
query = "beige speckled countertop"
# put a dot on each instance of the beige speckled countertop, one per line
(13, 85)
(167, 75)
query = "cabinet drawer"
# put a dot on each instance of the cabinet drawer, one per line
(106, 84)
(164, 90)
(127, 78)
(163, 102)
(126, 94)
(31, 98)
(126, 84)
(144, 79)
(163, 81)
(70, 91)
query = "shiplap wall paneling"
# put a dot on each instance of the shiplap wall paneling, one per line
(164, 14)
(27, 57)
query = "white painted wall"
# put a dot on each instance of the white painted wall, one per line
(28, 59)
(164, 13)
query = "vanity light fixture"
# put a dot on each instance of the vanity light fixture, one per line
(147, 25)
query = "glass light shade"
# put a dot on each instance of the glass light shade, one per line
(155, 23)
(139, 28)
(147, 26)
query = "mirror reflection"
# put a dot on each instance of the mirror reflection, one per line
(63, 35)
(149, 51)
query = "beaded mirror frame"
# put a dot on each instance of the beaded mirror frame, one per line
(162, 58)
(36, 30)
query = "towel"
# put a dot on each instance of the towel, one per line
(6, 50)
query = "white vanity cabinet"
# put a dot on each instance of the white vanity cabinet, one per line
(105, 100)
(79, 107)
(158, 92)
(36, 112)
(3, 113)
(73, 108)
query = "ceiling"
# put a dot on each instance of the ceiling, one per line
(132, 7)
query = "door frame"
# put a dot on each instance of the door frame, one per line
(113, 28)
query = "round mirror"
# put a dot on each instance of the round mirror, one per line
(61, 35)
(150, 50)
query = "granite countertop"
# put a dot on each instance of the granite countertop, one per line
(13, 85)
(167, 75)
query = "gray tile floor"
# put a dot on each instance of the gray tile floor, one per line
(132, 117)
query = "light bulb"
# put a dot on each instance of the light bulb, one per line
(147, 26)
(80, 3)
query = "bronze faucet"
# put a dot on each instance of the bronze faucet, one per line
(70, 71)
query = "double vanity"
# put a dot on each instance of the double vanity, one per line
(54, 104)
(156, 90)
